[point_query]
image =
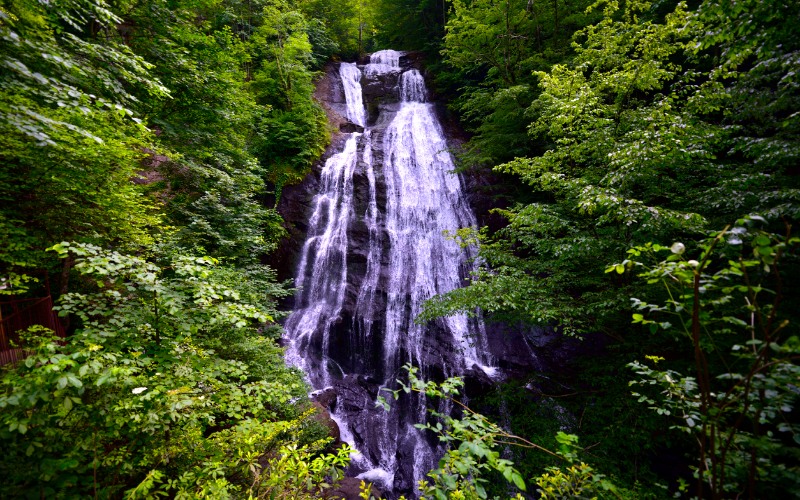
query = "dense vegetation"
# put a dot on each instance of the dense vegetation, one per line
(659, 151)
(144, 146)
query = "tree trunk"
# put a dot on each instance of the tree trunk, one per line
(63, 287)
(555, 13)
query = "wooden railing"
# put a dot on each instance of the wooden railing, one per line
(16, 316)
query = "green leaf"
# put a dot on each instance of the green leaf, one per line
(518, 481)
(74, 381)
(765, 251)
(762, 240)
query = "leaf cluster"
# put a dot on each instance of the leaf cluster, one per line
(146, 396)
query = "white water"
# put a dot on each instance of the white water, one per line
(382, 62)
(424, 199)
(366, 293)
(325, 253)
(351, 80)
(408, 260)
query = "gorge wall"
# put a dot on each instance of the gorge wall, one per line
(369, 249)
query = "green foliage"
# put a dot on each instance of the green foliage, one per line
(473, 440)
(536, 270)
(145, 396)
(69, 142)
(575, 481)
(594, 177)
(245, 118)
(629, 158)
(344, 29)
(751, 50)
(586, 396)
(757, 44)
(610, 136)
(156, 129)
(93, 142)
(725, 305)
(410, 24)
(299, 474)
(665, 121)
(475, 451)
(483, 33)
(172, 383)
(294, 133)
(490, 50)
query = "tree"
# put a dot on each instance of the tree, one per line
(71, 144)
(410, 24)
(726, 305)
(167, 384)
(294, 133)
(490, 51)
(611, 160)
(491, 34)
(662, 126)
(347, 28)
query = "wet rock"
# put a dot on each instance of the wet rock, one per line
(349, 488)
(326, 398)
(350, 127)
(294, 207)
(477, 381)
(355, 403)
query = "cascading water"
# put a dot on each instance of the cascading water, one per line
(375, 251)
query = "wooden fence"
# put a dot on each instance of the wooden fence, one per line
(16, 316)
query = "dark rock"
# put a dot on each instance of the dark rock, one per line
(350, 127)
(355, 403)
(349, 488)
(326, 398)
(323, 417)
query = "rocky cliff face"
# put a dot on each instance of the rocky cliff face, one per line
(367, 248)
(511, 346)
(296, 201)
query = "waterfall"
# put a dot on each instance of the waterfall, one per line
(382, 62)
(412, 87)
(351, 81)
(376, 249)
(325, 255)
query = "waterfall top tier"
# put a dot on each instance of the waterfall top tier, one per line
(382, 62)
(351, 82)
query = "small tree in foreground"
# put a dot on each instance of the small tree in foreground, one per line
(475, 451)
(727, 306)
